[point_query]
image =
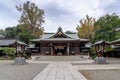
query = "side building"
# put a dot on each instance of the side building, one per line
(59, 43)
(14, 43)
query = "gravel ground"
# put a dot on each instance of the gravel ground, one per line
(60, 58)
(109, 61)
(20, 72)
(101, 74)
(83, 64)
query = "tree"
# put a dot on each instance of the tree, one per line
(86, 27)
(105, 28)
(10, 32)
(19, 33)
(117, 34)
(25, 36)
(32, 16)
(2, 32)
(68, 32)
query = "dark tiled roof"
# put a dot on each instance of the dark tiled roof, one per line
(9, 42)
(60, 36)
(47, 35)
(54, 35)
(60, 39)
(115, 41)
(73, 35)
(100, 42)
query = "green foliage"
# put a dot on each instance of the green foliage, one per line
(32, 18)
(30, 23)
(10, 32)
(108, 48)
(85, 29)
(92, 52)
(105, 28)
(19, 33)
(117, 34)
(8, 51)
(2, 32)
(68, 32)
(26, 56)
(25, 36)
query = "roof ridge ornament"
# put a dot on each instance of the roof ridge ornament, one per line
(60, 29)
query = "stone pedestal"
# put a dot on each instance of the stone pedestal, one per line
(100, 60)
(20, 60)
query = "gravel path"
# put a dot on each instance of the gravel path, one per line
(101, 74)
(20, 72)
(60, 58)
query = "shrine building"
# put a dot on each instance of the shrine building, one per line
(60, 43)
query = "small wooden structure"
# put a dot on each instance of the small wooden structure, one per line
(100, 48)
(20, 46)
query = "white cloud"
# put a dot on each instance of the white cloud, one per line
(64, 13)
(78, 9)
(5, 21)
(9, 15)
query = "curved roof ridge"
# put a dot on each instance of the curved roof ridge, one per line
(59, 33)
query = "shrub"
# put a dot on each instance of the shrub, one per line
(108, 48)
(8, 51)
(92, 52)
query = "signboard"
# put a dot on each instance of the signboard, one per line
(18, 48)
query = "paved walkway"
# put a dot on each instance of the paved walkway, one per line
(59, 71)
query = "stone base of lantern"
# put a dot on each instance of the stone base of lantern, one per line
(20, 61)
(100, 60)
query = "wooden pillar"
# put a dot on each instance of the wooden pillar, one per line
(51, 49)
(68, 51)
(40, 49)
(106, 54)
(79, 49)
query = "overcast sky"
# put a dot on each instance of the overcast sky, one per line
(64, 13)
